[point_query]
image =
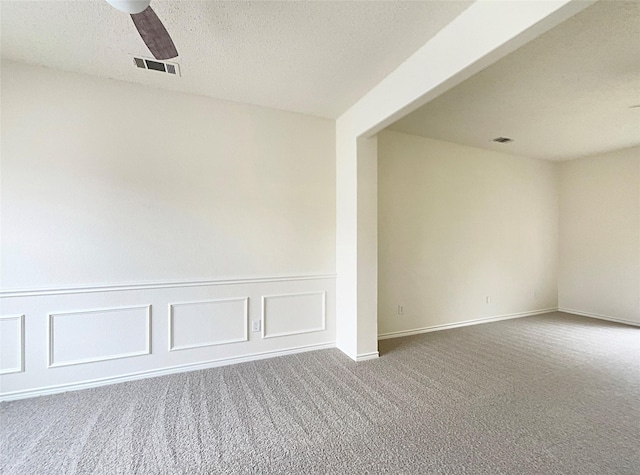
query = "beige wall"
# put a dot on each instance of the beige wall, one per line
(457, 225)
(110, 182)
(600, 235)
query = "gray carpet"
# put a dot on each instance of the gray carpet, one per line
(553, 394)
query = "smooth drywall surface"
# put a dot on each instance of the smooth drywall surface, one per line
(106, 182)
(464, 233)
(147, 232)
(367, 248)
(482, 34)
(600, 235)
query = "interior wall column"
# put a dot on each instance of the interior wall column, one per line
(481, 35)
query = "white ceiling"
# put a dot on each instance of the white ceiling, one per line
(564, 95)
(311, 57)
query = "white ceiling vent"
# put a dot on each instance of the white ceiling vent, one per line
(155, 65)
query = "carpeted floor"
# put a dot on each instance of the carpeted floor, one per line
(553, 394)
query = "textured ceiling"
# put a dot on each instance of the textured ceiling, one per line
(564, 95)
(312, 57)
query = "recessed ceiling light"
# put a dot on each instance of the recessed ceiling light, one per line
(503, 140)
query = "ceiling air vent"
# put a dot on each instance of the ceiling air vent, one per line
(503, 140)
(155, 65)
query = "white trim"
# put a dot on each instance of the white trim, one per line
(14, 395)
(172, 347)
(352, 356)
(20, 368)
(367, 356)
(156, 285)
(312, 330)
(447, 326)
(50, 336)
(599, 317)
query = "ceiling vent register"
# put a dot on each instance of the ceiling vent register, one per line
(155, 65)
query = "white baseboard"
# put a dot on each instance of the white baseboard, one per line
(447, 326)
(599, 317)
(29, 393)
(367, 356)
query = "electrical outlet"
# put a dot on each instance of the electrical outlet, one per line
(488, 299)
(255, 325)
(400, 310)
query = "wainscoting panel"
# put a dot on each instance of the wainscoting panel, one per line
(97, 335)
(213, 322)
(78, 337)
(293, 314)
(11, 344)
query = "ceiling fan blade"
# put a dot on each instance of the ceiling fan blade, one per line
(154, 34)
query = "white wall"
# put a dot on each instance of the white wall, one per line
(458, 224)
(105, 182)
(120, 203)
(479, 36)
(600, 235)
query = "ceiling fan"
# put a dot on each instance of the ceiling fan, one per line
(151, 29)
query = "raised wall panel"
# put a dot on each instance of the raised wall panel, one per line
(208, 323)
(292, 314)
(81, 337)
(11, 344)
(97, 335)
